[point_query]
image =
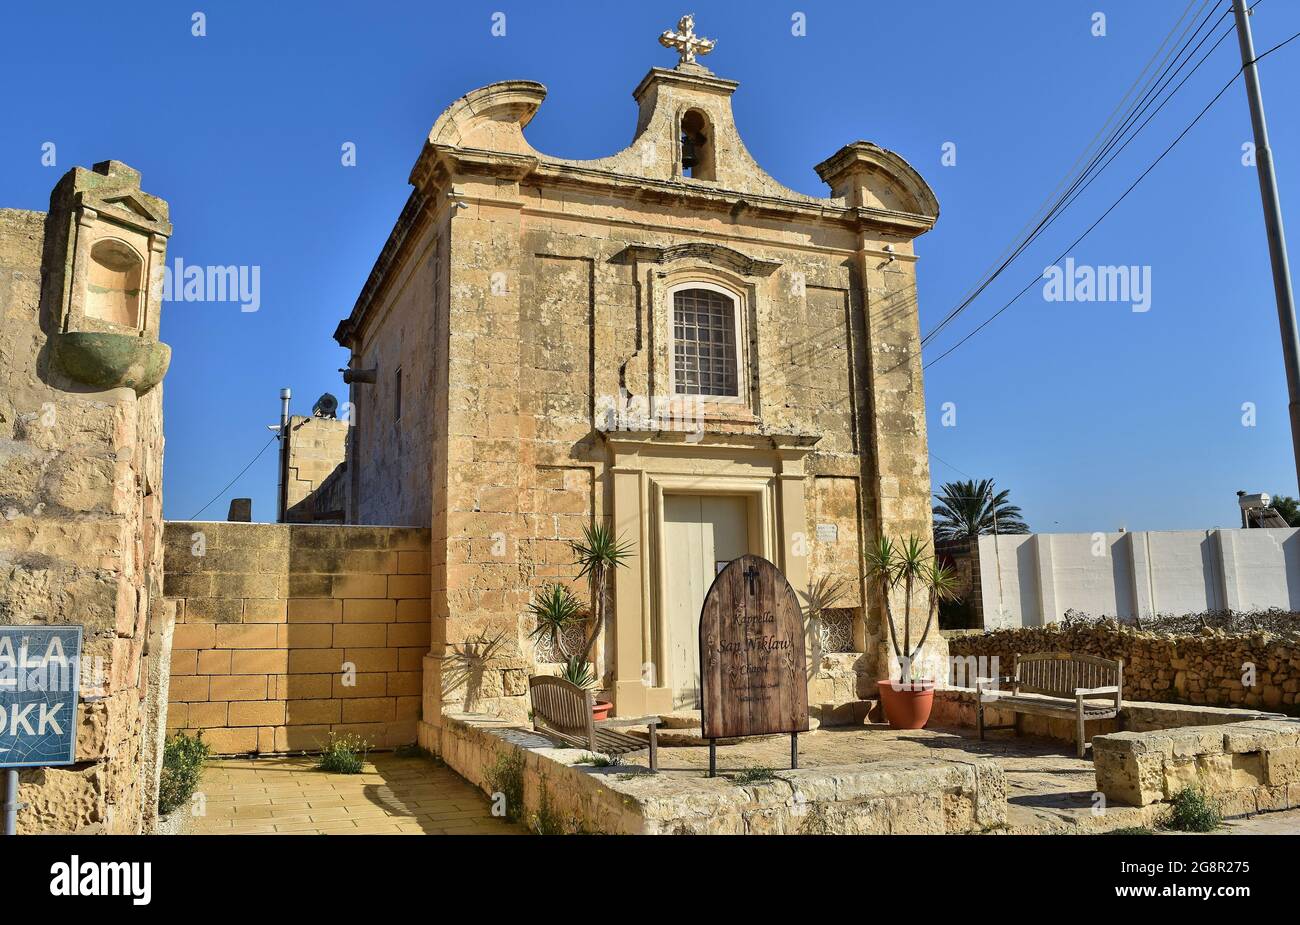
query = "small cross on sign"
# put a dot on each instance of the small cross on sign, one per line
(751, 575)
(685, 41)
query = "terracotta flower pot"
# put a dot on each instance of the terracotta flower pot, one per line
(907, 703)
(600, 709)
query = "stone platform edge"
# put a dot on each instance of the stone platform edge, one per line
(1246, 767)
(893, 797)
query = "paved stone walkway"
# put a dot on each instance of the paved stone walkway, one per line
(391, 796)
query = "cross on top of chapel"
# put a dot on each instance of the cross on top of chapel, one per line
(685, 42)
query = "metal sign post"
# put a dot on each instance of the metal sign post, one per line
(40, 681)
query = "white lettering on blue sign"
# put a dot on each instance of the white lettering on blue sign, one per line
(39, 687)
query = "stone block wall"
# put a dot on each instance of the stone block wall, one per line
(1212, 668)
(316, 450)
(81, 480)
(287, 633)
(1246, 767)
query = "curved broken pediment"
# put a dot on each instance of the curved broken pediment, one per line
(491, 118)
(686, 140)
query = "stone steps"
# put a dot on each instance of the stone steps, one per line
(851, 713)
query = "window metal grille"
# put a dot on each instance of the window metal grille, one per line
(704, 343)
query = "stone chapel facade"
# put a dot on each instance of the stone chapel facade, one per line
(667, 339)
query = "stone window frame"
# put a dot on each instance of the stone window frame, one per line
(738, 327)
(743, 295)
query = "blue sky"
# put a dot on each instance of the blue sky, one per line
(1095, 416)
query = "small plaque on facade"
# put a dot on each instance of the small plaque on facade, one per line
(827, 533)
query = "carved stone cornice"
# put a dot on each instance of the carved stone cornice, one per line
(703, 252)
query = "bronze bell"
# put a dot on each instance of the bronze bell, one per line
(689, 159)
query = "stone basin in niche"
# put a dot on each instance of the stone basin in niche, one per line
(110, 361)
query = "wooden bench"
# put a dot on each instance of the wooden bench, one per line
(1067, 682)
(562, 710)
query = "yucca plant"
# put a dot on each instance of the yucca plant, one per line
(596, 556)
(909, 563)
(824, 594)
(577, 671)
(555, 608)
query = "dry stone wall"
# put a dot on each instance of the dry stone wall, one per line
(1257, 670)
(288, 633)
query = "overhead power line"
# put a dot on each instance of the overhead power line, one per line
(1173, 64)
(236, 478)
(1090, 228)
(1051, 208)
(1141, 177)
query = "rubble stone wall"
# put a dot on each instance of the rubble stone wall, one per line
(287, 633)
(1257, 670)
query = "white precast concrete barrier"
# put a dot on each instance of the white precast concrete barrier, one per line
(1035, 578)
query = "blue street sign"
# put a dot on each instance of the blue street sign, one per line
(39, 683)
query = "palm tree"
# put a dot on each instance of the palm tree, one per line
(1289, 508)
(597, 556)
(965, 509)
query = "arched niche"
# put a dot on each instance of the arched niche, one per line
(114, 283)
(698, 158)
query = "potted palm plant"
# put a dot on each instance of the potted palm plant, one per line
(597, 555)
(908, 699)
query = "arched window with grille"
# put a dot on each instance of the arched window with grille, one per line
(705, 355)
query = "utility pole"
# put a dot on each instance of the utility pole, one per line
(1272, 225)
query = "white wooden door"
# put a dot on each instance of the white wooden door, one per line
(702, 533)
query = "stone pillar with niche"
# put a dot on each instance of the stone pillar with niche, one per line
(105, 280)
(81, 477)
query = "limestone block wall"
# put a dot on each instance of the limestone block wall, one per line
(287, 633)
(317, 447)
(1211, 669)
(80, 491)
(1247, 767)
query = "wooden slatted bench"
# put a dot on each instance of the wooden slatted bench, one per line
(1070, 685)
(563, 710)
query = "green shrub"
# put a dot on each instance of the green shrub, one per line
(183, 758)
(344, 754)
(1192, 811)
(506, 777)
(754, 776)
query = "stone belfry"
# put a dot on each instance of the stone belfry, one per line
(666, 340)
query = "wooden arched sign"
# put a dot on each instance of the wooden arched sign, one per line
(753, 676)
